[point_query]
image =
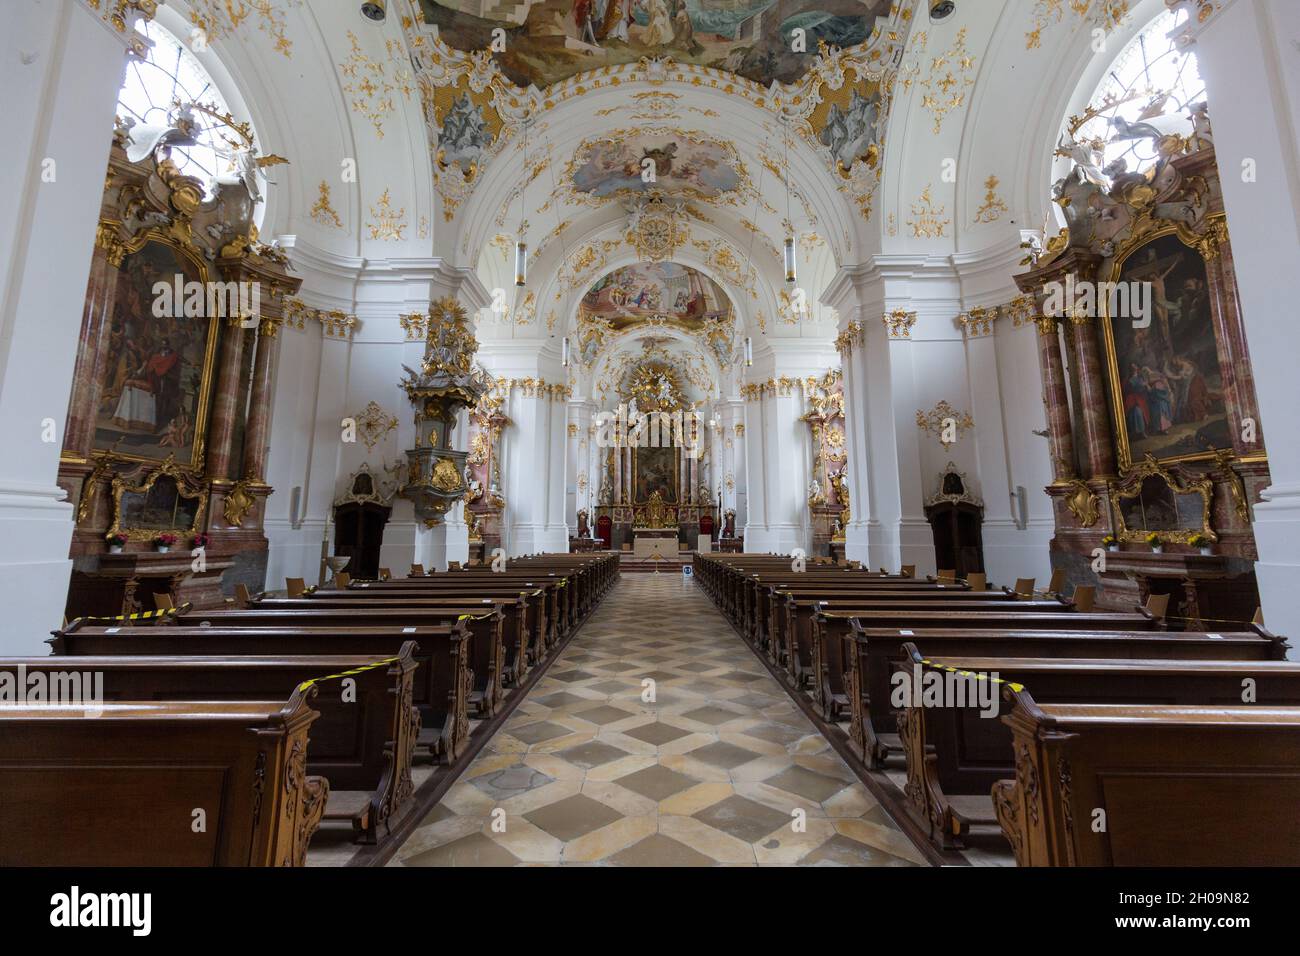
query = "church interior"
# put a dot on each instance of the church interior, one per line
(650, 433)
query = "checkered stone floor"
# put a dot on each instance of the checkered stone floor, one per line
(594, 769)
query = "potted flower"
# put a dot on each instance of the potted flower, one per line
(1200, 542)
(163, 542)
(1110, 543)
(116, 542)
(1157, 545)
(200, 540)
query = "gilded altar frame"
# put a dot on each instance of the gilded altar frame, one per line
(186, 487)
(202, 411)
(676, 476)
(1131, 487)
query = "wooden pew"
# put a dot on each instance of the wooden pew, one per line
(744, 596)
(562, 607)
(122, 788)
(547, 616)
(1179, 785)
(868, 655)
(582, 579)
(497, 632)
(362, 746)
(769, 596)
(814, 648)
(442, 680)
(956, 751)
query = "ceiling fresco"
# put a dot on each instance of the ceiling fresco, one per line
(613, 166)
(551, 40)
(680, 294)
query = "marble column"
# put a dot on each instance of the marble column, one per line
(259, 405)
(1055, 399)
(683, 476)
(225, 407)
(693, 465)
(1094, 402)
(96, 336)
(616, 454)
(629, 493)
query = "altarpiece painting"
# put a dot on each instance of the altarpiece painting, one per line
(1167, 383)
(153, 389)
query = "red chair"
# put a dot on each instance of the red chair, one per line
(604, 527)
(706, 526)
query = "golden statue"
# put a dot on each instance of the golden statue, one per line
(655, 511)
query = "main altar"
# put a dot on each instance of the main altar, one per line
(655, 491)
(656, 532)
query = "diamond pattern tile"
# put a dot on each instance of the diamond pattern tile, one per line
(594, 753)
(603, 714)
(712, 715)
(743, 818)
(722, 754)
(657, 733)
(573, 817)
(656, 782)
(539, 732)
(659, 850)
(698, 782)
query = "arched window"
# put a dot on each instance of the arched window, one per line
(1151, 81)
(172, 76)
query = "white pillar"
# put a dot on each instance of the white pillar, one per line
(754, 452)
(533, 447)
(1246, 55)
(779, 446)
(61, 72)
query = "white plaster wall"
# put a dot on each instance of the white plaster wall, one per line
(61, 70)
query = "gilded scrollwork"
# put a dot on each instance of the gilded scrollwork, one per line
(1083, 503)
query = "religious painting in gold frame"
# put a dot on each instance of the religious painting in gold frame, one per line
(655, 469)
(167, 500)
(1166, 382)
(155, 388)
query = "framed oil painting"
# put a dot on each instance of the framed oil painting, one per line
(1167, 387)
(655, 469)
(154, 387)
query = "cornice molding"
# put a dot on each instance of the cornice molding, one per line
(119, 18)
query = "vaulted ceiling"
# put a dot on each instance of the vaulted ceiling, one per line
(920, 138)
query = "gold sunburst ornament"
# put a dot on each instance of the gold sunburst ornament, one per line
(656, 231)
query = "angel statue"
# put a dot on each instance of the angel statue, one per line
(1087, 156)
(1202, 135)
(142, 139)
(815, 494)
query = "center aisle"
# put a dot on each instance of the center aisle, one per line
(710, 771)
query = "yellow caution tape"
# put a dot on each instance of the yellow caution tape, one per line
(976, 674)
(349, 673)
(138, 615)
